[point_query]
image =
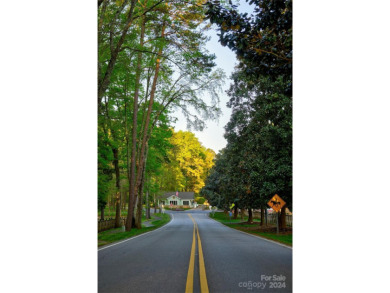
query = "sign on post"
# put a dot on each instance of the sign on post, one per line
(276, 203)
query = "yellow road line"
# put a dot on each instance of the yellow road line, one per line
(190, 274)
(202, 269)
(204, 288)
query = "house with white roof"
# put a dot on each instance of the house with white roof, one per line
(178, 199)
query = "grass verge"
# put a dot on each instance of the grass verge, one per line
(224, 219)
(282, 237)
(113, 235)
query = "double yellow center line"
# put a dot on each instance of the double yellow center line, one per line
(202, 270)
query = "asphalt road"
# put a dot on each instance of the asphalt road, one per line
(159, 261)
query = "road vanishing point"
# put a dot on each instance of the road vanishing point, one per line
(193, 253)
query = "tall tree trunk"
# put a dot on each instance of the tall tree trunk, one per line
(283, 218)
(262, 216)
(118, 222)
(250, 216)
(235, 212)
(242, 214)
(147, 120)
(132, 194)
(123, 200)
(138, 217)
(102, 213)
(140, 196)
(147, 205)
(135, 213)
(118, 187)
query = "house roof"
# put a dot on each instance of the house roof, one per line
(182, 195)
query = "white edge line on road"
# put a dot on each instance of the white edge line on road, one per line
(131, 238)
(253, 235)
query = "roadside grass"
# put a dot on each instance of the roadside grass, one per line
(113, 235)
(224, 218)
(282, 237)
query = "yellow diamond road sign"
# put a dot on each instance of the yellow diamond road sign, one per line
(276, 202)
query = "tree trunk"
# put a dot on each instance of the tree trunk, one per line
(102, 214)
(132, 194)
(147, 205)
(138, 219)
(283, 218)
(118, 222)
(123, 200)
(118, 194)
(262, 217)
(145, 138)
(250, 216)
(135, 210)
(140, 192)
(235, 212)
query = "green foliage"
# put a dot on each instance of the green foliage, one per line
(257, 161)
(188, 163)
(104, 169)
(200, 200)
(183, 53)
(262, 41)
(174, 41)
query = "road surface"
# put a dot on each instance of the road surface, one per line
(195, 253)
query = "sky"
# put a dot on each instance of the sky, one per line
(212, 136)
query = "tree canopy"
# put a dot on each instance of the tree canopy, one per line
(152, 62)
(257, 161)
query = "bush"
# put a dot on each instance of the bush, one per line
(200, 200)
